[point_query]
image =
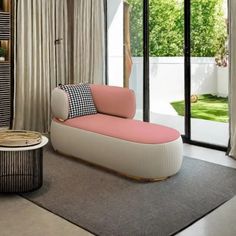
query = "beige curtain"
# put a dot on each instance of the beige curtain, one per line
(232, 87)
(40, 64)
(56, 41)
(62, 42)
(88, 41)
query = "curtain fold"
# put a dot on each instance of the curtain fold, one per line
(53, 44)
(62, 36)
(36, 73)
(232, 86)
(88, 41)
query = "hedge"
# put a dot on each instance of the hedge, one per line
(166, 25)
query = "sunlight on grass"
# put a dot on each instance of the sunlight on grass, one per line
(208, 107)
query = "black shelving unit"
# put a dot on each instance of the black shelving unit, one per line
(5, 65)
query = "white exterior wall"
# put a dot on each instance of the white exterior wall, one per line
(167, 78)
(222, 81)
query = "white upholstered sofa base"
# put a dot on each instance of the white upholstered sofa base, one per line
(139, 161)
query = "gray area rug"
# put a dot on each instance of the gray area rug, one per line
(106, 204)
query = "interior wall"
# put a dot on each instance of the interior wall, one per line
(115, 42)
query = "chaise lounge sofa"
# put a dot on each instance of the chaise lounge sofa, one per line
(112, 139)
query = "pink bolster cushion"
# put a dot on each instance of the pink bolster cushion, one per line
(114, 101)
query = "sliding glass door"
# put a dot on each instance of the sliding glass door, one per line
(209, 71)
(173, 54)
(166, 62)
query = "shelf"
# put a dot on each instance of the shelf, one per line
(6, 44)
(5, 6)
(5, 12)
(5, 25)
(6, 65)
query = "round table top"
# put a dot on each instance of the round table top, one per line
(28, 148)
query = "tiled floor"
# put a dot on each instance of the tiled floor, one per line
(20, 217)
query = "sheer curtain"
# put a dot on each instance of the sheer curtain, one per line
(37, 26)
(54, 44)
(232, 87)
(88, 41)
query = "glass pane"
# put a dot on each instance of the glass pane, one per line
(209, 71)
(133, 42)
(167, 63)
(125, 47)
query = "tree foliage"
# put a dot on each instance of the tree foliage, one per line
(166, 27)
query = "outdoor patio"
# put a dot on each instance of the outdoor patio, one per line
(202, 130)
(167, 85)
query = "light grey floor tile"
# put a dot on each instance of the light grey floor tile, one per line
(210, 155)
(19, 217)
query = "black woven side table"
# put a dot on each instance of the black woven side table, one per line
(21, 169)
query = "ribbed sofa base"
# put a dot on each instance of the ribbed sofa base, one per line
(149, 162)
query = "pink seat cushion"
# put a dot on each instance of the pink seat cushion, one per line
(126, 129)
(113, 100)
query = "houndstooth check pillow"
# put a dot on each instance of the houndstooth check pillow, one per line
(80, 100)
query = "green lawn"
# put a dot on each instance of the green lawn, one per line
(208, 107)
